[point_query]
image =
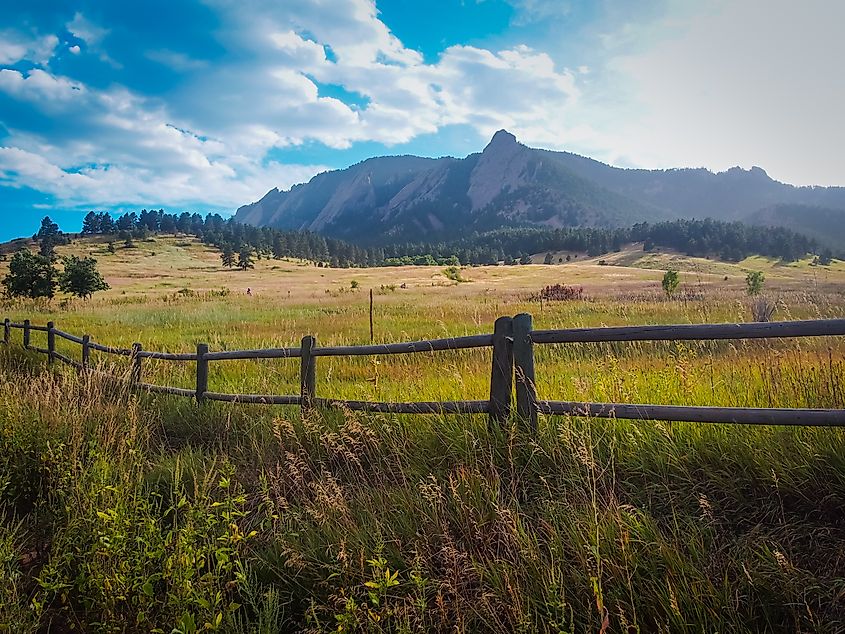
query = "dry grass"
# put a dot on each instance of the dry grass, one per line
(130, 513)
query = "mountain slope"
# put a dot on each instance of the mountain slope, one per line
(731, 195)
(508, 184)
(822, 223)
(511, 185)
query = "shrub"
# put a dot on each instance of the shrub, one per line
(754, 282)
(560, 293)
(453, 273)
(670, 282)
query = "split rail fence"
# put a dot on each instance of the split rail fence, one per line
(512, 370)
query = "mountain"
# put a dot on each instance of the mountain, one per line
(698, 193)
(511, 185)
(824, 224)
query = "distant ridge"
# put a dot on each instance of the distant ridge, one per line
(508, 184)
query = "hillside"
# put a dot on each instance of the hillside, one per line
(406, 198)
(735, 194)
(170, 265)
(824, 224)
(508, 184)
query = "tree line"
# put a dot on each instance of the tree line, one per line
(238, 243)
(730, 241)
(35, 275)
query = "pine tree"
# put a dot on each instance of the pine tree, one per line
(91, 224)
(48, 237)
(245, 259)
(670, 282)
(107, 223)
(228, 256)
(754, 282)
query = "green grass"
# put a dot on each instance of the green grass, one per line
(243, 512)
(125, 512)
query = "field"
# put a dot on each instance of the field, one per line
(135, 513)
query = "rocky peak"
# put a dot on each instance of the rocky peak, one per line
(501, 166)
(501, 140)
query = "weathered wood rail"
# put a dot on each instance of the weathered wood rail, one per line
(512, 375)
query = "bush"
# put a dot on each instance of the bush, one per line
(754, 282)
(560, 293)
(670, 282)
(453, 273)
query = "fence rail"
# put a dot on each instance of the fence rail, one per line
(512, 375)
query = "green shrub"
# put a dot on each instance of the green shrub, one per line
(754, 282)
(670, 282)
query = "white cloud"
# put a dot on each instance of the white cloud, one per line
(723, 85)
(175, 60)
(82, 28)
(15, 47)
(119, 148)
(38, 87)
(74, 49)
(278, 91)
(209, 140)
(298, 50)
(757, 82)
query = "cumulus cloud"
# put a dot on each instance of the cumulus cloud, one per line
(210, 138)
(39, 87)
(121, 148)
(16, 46)
(297, 47)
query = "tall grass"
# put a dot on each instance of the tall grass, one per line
(126, 512)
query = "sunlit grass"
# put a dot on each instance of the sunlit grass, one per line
(129, 512)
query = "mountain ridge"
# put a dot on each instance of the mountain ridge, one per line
(509, 184)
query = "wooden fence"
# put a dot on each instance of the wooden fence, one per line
(512, 370)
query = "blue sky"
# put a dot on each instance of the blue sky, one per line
(206, 105)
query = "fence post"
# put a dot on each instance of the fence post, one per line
(7, 331)
(307, 374)
(86, 351)
(501, 376)
(26, 333)
(135, 375)
(523, 356)
(202, 371)
(51, 342)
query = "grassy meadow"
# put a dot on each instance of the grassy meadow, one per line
(124, 512)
